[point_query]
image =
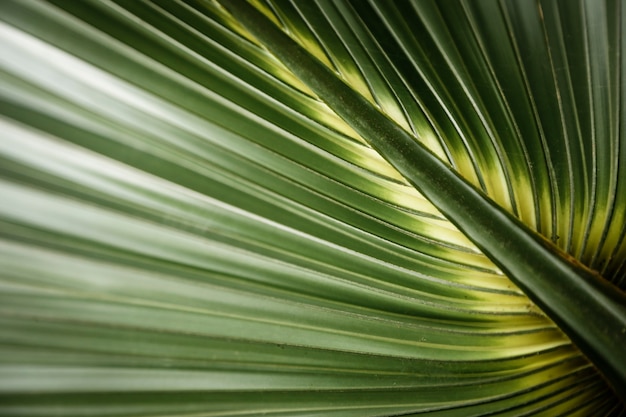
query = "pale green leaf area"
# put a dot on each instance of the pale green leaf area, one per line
(188, 229)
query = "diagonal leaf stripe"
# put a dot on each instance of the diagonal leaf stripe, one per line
(205, 212)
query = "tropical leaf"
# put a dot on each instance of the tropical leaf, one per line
(192, 227)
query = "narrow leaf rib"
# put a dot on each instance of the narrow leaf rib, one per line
(566, 290)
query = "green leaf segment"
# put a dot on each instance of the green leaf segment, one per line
(192, 225)
(566, 290)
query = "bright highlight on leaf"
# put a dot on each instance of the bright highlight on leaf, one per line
(188, 229)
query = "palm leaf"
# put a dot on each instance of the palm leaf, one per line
(192, 227)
